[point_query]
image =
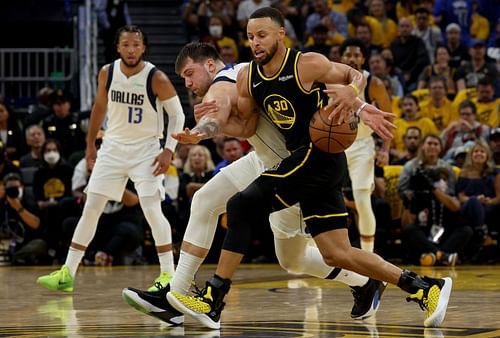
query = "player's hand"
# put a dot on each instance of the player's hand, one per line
(90, 156)
(162, 162)
(380, 121)
(204, 108)
(188, 136)
(343, 100)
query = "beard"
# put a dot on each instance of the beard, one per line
(131, 65)
(268, 56)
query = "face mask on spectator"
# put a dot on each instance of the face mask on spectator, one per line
(215, 31)
(51, 157)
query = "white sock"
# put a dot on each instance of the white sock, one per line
(73, 260)
(184, 274)
(351, 278)
(166, 261)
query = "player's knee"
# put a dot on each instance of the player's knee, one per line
(291, 264)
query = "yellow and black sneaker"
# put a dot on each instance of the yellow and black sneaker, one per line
(206, 306)
(433, 299)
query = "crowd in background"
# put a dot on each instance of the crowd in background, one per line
(438, 197)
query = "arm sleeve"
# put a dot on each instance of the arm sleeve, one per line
(176, 119)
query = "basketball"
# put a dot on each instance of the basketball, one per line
(328, 137)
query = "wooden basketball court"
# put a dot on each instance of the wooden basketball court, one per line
(264, 302)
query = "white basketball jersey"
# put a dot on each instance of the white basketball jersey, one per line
(134, 112)
(268, 142)
(363, 129)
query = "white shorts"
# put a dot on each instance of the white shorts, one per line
(361, 163)
(285, 223)
(117, 162)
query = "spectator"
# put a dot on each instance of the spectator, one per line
(378, 67)
(321, 10)
(197, 171)
(64, 125)
(319, 39)
(494, 143)
(458, 51)
(469, 74)
(246, 8)
(427, 187)
(35, 138)
(410, 54)
(376, 8)
(111, 15)
(6, 165)
(356, 16)
(334, 53)
(441, 67)
(411, 140)
(480, 27)
(232, 151)
(466, 128)
(10, 133)
(486, 104)
(224, 10)
(410, 117)
(478, 190)
(20, 220)
(190, 19)
(438, 108)
(431, 36)
(446, 12)
(51, 185)
(216, 37)
(41, 109)
(364, 33)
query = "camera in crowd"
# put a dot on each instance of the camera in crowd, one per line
(422, 182)
(12, 192)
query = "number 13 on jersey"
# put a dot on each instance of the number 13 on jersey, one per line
(134, 114)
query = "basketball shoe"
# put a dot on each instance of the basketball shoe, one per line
(164, 279)
(367, 299)
(59, 280)
(206, 306)
(433, 297)
(153, 303)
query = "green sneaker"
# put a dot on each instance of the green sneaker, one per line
(161, 281)
(59, 280)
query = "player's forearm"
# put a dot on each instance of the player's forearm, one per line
(356, 80)
(209, 126)
(239, 127)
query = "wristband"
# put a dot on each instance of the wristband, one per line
(353, 86)
(357, 112)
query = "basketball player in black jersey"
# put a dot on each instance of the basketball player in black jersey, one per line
(289, 87)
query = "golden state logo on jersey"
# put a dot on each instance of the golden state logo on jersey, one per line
(280, 111)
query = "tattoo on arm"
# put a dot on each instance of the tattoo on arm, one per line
(208, 126)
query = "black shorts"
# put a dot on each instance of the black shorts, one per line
(314, 179)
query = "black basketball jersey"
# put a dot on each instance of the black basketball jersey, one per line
(287, 104)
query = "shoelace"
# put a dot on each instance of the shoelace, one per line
(199, 293)
(158, 285)
(355, 294)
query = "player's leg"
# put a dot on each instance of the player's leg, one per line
(361, 163)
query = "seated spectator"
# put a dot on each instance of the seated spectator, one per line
(437, 107)
(431, 36)
(458, 133)
(64, 125)
(478, 190)
(364, 33)
(441, 68)
(376, 8)
(410, 117)
(458, 51)
(434, 233)
(321, 10)
(486, 104)
(41, 109)
(52, 189)
(216, 37)
(318, 41)
(232, 151)
(411, 140)
(20, 216)
(6, 165)
(10, 133)
(470, 72)
(494, 143)
(378, 68)
(197, 171)
(35, 138)
(334, 53)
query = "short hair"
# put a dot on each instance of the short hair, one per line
(12, 176)
(269, 12)
(411, 97)
(414, 128)
(485, 81)
(131, 29)
(438, 78)
(422, 10)
(31, 127)
(468, 104)
(198, 52)
(353, 42)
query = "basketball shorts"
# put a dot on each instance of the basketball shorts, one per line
(285, 223)
(117, 162)
(313, 179)
(361, 163)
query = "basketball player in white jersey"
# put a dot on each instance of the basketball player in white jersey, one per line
(361, 154)
(133, 94)
(206, 75)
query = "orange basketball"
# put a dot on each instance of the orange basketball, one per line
(328, 137)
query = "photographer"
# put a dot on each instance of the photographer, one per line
(434, 232)
(21, 223)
